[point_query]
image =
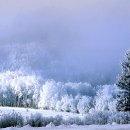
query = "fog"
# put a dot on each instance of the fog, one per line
(66, 40)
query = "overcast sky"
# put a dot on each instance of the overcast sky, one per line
(67, 39)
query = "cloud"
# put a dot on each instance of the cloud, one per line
(71, 38)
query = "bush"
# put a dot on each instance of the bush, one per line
(119, 118)
(35, 120)
(58, 120)
(101, 118)
(74, 120)
(11, 120)
(98, 118)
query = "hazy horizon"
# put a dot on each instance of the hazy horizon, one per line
(65, 40)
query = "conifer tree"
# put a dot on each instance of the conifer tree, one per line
(123, 97)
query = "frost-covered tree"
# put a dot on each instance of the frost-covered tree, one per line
(84, 104)
(123, 98)
(19, 89)
(106, 98)
(50, 93)
(69, 104)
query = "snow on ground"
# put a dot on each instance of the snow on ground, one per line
(91, 127)
(27, 112)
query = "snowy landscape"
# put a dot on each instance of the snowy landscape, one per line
(64, 65)
(71, 121)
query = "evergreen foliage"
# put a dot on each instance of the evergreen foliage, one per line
(123, 97)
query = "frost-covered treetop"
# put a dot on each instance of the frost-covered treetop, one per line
(124, 79)
(18, 81)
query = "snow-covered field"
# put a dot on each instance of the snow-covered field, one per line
(47, 113)
(27, 112)
(91, 127)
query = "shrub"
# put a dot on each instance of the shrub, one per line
(74, 120)
(35, 120)
(98, 118)
(58, 120)
(11, 120)
(119, 118)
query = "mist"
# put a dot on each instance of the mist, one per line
(68, 40)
